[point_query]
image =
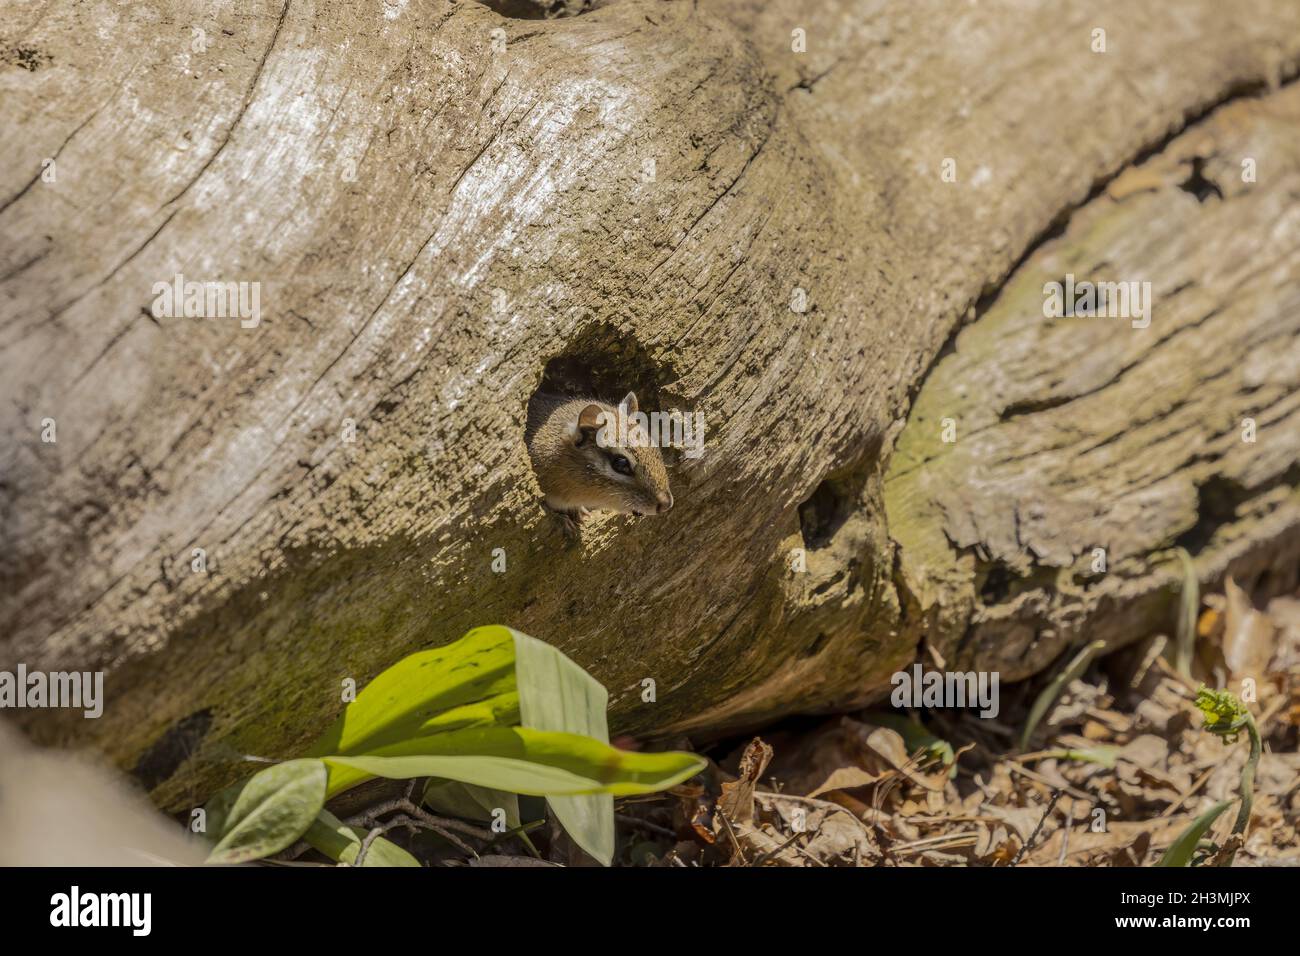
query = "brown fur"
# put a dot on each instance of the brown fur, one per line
(575, 471)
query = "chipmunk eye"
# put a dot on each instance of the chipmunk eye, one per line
(621, 465)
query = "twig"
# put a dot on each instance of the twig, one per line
(644, 825)
(732, 833)
(412, 824)
(1024, 847)
(413, 817)
(374, 835)
(943, 841)
(768, 854)
(1065, 835)
(369, 816)
(1039, 778)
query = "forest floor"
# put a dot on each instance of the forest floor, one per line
(1116, 769)
(1100, 761)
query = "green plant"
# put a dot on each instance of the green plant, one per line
(1043, 702)
(1104, 755)
(918, 740)
(1226, 717)
(1180, 852)
(1189, 602)
(494, 714)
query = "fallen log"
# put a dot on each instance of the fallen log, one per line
(774, 214)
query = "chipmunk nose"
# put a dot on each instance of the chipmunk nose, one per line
(665, 502)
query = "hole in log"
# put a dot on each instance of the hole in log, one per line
(538, 9)
(997, 584)
(1198, 184)
(172, 749)
(1217, 501)
(830, 505)
(602, 362)
(1001, 582)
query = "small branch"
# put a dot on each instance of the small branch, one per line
(1024, 847)
(644, 825)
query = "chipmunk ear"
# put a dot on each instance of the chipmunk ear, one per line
(628, 406)
(588, 422)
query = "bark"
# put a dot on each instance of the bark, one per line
(445, 206)
(1087, 448)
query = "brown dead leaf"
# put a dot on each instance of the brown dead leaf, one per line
(1248, 640)
(764, 845)
(837, 839)
(1093, 730)
(844, 778)
(1021, 820)
(841, 755)
(1284, 612)
(1114, 841)
(737, 799)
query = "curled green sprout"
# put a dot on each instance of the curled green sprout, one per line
(1224, 714)
(1226, 717)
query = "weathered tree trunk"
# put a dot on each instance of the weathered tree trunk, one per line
(1088, 448)
(443, 205)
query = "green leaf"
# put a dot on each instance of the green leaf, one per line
(341, 842)
(493, 677)
(522, 760)
(556, 694)
(468, 683)
(456, 799)
(1181, 850)
(1053, 690)
(217, 809)
(1189, 603)
(916, 737)
(269, 811)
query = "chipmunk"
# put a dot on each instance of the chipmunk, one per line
(579, 473)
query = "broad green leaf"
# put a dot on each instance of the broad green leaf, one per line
(468, 683)
(217, 809)
(1181, 850)
(556, 694)
(493, 677)
(1189, 603)
(341, 842)
(470, 802)
(270, 810)
(521, 760)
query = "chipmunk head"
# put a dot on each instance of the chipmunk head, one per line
(622, 468)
